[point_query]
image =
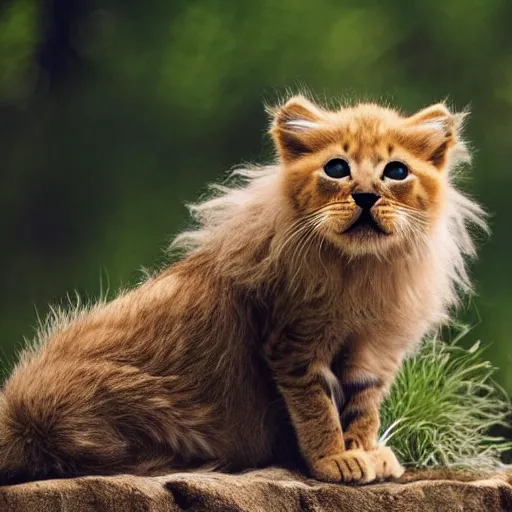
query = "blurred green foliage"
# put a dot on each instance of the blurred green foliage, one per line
(103, 143)
(18, 38)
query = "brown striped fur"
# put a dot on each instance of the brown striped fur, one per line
(278, 333)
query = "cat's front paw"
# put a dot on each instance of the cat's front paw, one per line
(354, 466)
(385, 463)
(359, 466)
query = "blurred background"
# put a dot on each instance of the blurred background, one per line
(114, 113)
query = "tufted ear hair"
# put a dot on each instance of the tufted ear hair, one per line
(293, 127)
(436, 131)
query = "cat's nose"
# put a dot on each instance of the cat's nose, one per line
(365, 200)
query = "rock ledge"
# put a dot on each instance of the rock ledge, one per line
(266, 490)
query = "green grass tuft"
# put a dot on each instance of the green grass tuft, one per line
(442, 406)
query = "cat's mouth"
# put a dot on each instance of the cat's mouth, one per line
(365, 224)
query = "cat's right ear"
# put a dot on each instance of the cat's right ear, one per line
(293, 127)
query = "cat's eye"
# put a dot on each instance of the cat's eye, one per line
(395, 171)
(337, 168)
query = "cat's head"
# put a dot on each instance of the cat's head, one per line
(366, 177)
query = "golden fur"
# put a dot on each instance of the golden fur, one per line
(279, 331)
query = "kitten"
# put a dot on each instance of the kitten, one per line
(277, 335)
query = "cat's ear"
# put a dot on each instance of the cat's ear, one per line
(438, 133)
(293, 127)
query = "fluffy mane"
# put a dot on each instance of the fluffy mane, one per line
(246, 209)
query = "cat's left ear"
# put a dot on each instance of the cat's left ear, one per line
(438, 134)
(294, 125)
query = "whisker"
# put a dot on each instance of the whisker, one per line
(294, 229)
(300, 233)
(306, 242)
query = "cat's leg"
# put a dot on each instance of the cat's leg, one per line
(298, 375)
(365, 370)
(360, 415)
(361, 421)
(365, 381)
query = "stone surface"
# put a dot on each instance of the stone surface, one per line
(267, 490)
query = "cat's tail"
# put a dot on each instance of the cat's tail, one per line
(53, 425)
(20, 452)
(23, 456)
(79, 418)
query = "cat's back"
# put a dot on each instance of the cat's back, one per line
(186, 313)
